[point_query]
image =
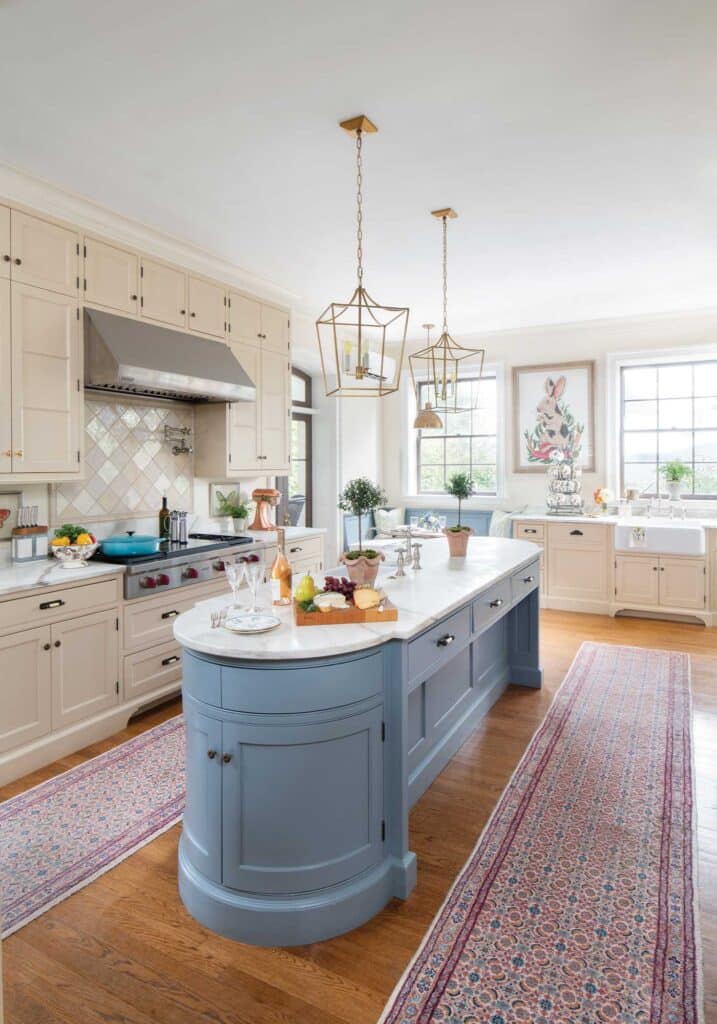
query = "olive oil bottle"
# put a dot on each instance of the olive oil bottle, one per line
(164, 520)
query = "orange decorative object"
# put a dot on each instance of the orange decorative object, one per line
(265, 498)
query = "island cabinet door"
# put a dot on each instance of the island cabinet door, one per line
(202, 822)
(302, 804)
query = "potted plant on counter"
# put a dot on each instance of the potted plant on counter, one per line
(459, 486)
(231, 505)
(359, 497)
(674, 473)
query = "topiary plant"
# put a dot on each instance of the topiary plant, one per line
(359, 497)
(460, 486)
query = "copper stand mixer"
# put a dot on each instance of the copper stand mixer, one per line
(265, 498)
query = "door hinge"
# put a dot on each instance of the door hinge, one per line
(84, 251)
(78, 383)
(383, 732)
(117, 686)
(383, 831)
(78, 281)
(230, 327)
(84, 284)
(230, 456)
(229, 302)
(225, 300)
(78, 454)
(78, 310)
(117, 623)
(225, 326)
(141, 301)
(141, 270)
(615, 591)
(77, 248)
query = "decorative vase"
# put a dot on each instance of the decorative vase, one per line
(362, 571)
(674, 489)
(565, 481)
(458, 541)
(240, 524)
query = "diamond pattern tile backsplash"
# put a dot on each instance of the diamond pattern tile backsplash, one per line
(128, 464)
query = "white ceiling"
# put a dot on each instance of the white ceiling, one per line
(576, 139)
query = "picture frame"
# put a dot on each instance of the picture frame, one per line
(553, 409)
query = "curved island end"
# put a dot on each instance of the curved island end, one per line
(307, 746)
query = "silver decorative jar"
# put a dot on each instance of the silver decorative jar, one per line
(565, 482)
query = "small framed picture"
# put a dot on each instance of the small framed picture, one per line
(553, 411)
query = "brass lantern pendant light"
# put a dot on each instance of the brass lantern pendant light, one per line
(446, 369)
(361, 342)
(427, 418)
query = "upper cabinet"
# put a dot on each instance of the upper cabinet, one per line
(164, 293)
(207, 307)
(44, 254)
(111, 276)
(5, 380)
(256, 323)
(4, 242)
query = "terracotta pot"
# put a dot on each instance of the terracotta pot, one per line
(458, 541)
(362, 570)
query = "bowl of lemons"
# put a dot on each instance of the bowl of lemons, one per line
(73, 545)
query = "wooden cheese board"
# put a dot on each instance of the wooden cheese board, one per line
(345, 616)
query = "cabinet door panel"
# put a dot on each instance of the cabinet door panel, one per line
(636, 580)
(274, 412)
(244, 416)
(244, 319)
(24, 687)
(4, 242)
(202, 822)
(46, 370)
(275, 329)
(85, 667)
(682, 582)
(47, 254)
(164, 293)
(5, 385)
(302, 805)
(111, 276)
(207, 307)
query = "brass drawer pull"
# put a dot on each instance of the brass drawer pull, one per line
(170, 615)
(171, 661)
(51, 604)
(497, 603)
(445, 640)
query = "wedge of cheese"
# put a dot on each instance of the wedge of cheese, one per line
(367, 597)
(326, 602)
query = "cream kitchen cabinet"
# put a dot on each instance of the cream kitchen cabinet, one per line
(247, 437)
(534, 531)
(578, 564)
(85, 667)
(110, 276)
(257, 323)
(5, 380)
(5, 259)
(44, 254)
(637, 580)
(668, 582)
(25, 686)
(163, 293)
(207, 307)
(683, 582)
(46, 398)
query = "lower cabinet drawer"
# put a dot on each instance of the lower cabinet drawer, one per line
(491, 604)
(529, 531)
(150, 621)
(305, 549)
(303, 565)
(437, 645)
(45, 607)
(526, 580)
(151, 670)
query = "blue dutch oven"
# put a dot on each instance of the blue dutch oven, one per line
(130, 544)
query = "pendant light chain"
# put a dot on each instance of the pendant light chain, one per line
(445, 275)
(359, 209)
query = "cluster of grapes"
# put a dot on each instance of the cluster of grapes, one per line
(343, 586)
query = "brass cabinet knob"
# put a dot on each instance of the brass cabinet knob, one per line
(211, 754)
(18, 261)
(8, 452)
(19, 453)
(182, 312)
(226, 758)
(133, 298)
(58, 643)
(46, 647)
(6, 258)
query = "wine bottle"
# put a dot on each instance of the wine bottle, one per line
(281, 574)
(164, 520)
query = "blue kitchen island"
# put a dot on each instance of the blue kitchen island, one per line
(307, 746)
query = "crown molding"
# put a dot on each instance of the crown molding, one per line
(25, 189)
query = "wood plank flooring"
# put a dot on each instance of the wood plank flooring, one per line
(125, 950)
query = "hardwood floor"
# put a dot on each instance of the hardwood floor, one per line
(125, 950)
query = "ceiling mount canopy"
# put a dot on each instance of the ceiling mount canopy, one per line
(445, 375)
(361, 342)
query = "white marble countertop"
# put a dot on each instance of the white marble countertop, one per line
(541, 516)
(290, 532)
(422, 598)
(17, 578)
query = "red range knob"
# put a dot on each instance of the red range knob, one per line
(163, 580)
(218, 565)
(148, 582)
(191, 573)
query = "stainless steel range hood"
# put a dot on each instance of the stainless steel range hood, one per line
(138, 358)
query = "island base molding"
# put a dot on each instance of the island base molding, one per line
(293, 921)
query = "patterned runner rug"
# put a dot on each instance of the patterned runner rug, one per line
(59, 836)
(577, 905)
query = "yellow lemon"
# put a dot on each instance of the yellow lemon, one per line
(61, 542)
(84, 538)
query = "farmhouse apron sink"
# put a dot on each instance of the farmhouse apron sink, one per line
(655, 536)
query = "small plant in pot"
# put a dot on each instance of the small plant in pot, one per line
(231, 505)
(674, 473)
(459, 486)
(359, 497)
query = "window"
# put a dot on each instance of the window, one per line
(467, 442)
(669, 413)
(295, 508)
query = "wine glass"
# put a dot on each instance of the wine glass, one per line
(254, 572)
(234, 572)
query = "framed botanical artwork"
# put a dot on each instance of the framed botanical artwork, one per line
(553, 411)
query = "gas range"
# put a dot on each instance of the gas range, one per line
(176, 565)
